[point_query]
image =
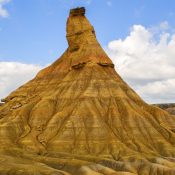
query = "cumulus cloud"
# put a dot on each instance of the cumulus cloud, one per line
(159, 91)
(146, 60)
(14, 74)
(3, 12)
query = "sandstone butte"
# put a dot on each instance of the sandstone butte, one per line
(78, 117)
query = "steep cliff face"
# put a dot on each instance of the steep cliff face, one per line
(78, 116)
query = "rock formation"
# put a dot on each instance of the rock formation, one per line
(78, 117)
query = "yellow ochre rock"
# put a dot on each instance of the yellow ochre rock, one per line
(78, 117)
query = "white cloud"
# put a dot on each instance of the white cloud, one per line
(164, 25)
(159, 91)
(14, 74)
(3, 12)
(146, 60)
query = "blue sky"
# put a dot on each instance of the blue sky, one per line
(138, 35)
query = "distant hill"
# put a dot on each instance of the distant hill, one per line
(170, 107)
